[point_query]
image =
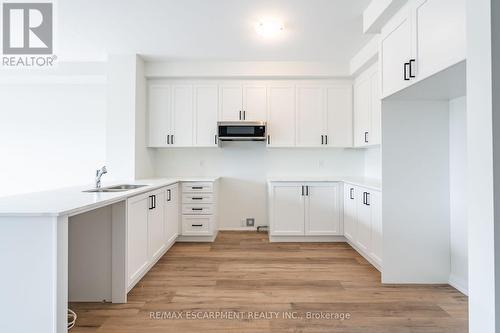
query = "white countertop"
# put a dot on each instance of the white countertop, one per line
(374, 184)
(71, 200)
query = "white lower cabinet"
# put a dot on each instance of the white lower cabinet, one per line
(152, 227)
(363, 221)
(199, 209)
(304, 209)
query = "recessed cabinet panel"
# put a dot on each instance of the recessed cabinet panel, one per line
(281, 119)
(376, 227)
(363, 210)
(288, 210)
(440, 35)
(311, 129)
(159, 114)
(231, 101)
(339, 113)
(350, 220)
(254, 102)
(322, 210)
(137, 236)
(156, 226)
(206, 107)
(172, 212)
(396, 50)
(182, 104)
(362, 110)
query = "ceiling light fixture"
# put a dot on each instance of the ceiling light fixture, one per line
(269, 28)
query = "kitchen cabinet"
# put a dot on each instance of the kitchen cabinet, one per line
(281, 117)
(182, 112)
(243, 102)
(206, 104)
(311, 116)
(422, 39)
(137, 237)
(304, 209)
(367, 109)
(350, 218)
(171, 213)
(339, 114)
(159, 114)
(322, 213)
(156, 224)
(363, 221)
(199, 211)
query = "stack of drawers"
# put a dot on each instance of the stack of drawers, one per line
(198, 209)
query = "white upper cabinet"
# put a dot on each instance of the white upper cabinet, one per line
(322, 215)
(422, 39)
(440, 35)
(159, 114)
(231, 99)
(396, 52)
(255, 102)
(311, 116)
(182, 107)
(206, 107)
(339, 112)
(281, 117)
(367, 109)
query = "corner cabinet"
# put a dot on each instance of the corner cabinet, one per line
(422, 39)
(363, 221)
(302, 211)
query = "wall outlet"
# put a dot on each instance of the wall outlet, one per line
(250, 222)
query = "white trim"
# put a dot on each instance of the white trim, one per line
(459, 284)
(307, 239)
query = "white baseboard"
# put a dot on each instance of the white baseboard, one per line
(459, 284)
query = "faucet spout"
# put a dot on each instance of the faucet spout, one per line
(98, 175)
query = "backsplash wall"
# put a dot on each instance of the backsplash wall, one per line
(245, 167)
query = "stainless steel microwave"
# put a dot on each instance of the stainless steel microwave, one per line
(242, 130)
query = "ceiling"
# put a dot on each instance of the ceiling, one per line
(315, 30)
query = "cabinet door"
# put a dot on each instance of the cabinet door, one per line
(156, 225)
(182, 104)
(339, 112)
(231, 101)
(137, 236)
(159, 114)
(255, 102)
(350, 219)
(310, 116)
(375, 202)
(322, 212)
(287, 209)
(375, 133)
(171, 213)
(281, 126)
(396, 50)
(363, 210)
(206, 106)
(440, 35)
(362, 104)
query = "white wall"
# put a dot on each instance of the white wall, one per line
(52, 134)
(245, 167)
(458, 194)
(373, 162)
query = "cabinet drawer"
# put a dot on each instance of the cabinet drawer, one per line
(198, 209)
(196, 225)
(205, 187)
(195, 198)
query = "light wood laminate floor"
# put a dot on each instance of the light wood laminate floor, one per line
(242, 273)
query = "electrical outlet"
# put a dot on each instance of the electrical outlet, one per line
(321, 163)
(250, 222)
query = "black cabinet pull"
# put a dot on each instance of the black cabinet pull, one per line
(168, 139)
(307, 191)
(364, 198)
(326, 139)
(244, 115)
(366, 137)
(302, 190)
(197, 225)
(215, 138)
(169, 195)
(240, 114)
(322, 140)
(406, 70)
(197, 187)
(154, 201)
(173, 138)
(150, 198)
(197, 209)
(367, 199)
(412, 62)
(268, 139)
(351, 193)
(196, 198)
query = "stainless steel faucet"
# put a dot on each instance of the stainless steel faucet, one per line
(98, 175)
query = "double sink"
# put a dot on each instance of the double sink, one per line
(115, 188)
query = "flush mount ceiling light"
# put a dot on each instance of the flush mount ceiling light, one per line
(269, 28)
